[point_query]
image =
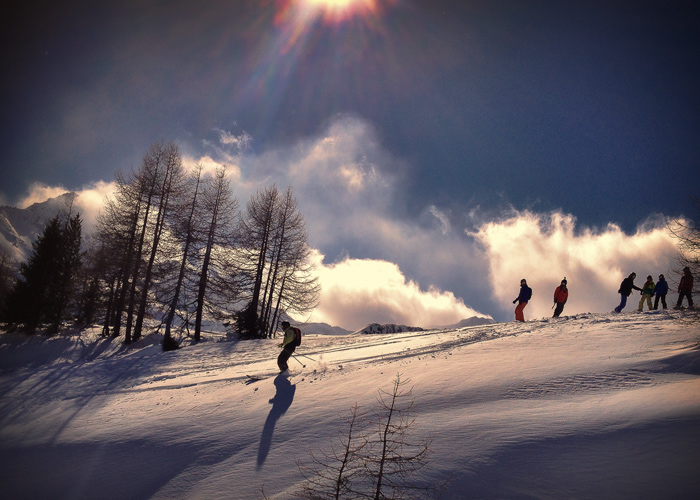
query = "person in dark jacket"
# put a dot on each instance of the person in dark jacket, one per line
(561, 294)
(625, 290)
(685, 288)
(660, 291)
(522, 300)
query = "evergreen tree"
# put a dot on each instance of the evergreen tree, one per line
(8, 270)
(45, 290)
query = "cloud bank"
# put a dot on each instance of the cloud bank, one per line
(356, 292)
(88, 202)
(544, 248)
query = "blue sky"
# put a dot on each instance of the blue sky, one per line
(458, 113)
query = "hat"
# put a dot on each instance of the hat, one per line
(649, 277)
(285, 324)
(563, 282)
(661, 276)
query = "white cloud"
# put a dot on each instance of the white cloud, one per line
(210, 166)
(346, 185)
(544, 248)
(38, 193)
(90, 200)
(356, 292)
(241, 142)
(442, 217)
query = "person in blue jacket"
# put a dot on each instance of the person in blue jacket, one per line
(660, 291)
(522, 300)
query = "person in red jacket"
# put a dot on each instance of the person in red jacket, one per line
(685, 287)
(560, 296)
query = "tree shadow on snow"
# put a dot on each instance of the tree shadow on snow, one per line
(280, 404)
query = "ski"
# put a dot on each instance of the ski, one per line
(251, 379)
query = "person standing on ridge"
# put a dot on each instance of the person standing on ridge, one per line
(625, 290)
(522, 300)
(561, 294)
(292, 339)
(660, 290)
(685, 288)
(647, 293)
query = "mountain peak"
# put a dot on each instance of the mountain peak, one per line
(19, 227)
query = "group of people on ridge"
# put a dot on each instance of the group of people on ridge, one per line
(659, 289)
(648, 290)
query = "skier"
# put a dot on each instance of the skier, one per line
(685, 288)
(660, 290)
(523, 298)
(647, 293)
(625, 290)
(561, 294)
(292, 339)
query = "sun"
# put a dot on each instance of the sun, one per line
(336, 11)
(297, 19)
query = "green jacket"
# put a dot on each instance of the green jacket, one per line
(648, 288)
(289, 336)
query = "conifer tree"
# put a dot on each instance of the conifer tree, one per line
(8, 269)
(45, 290)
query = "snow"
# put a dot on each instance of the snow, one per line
(588, 406)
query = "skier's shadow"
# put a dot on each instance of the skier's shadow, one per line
(280, 404)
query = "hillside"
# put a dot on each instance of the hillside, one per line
(591, 406)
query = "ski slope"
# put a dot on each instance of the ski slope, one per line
(588, 406)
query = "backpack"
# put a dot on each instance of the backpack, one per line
(297, 336)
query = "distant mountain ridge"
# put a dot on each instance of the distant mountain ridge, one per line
(19, 227)
(473, 321)
(321, 328)
(375, 328)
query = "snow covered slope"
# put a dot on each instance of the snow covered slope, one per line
(593, 406)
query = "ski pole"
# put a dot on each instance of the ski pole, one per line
(312, 359)
(302, 364)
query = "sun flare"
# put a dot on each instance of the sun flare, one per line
(339, 10)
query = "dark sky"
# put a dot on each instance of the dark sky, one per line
(590, 107)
